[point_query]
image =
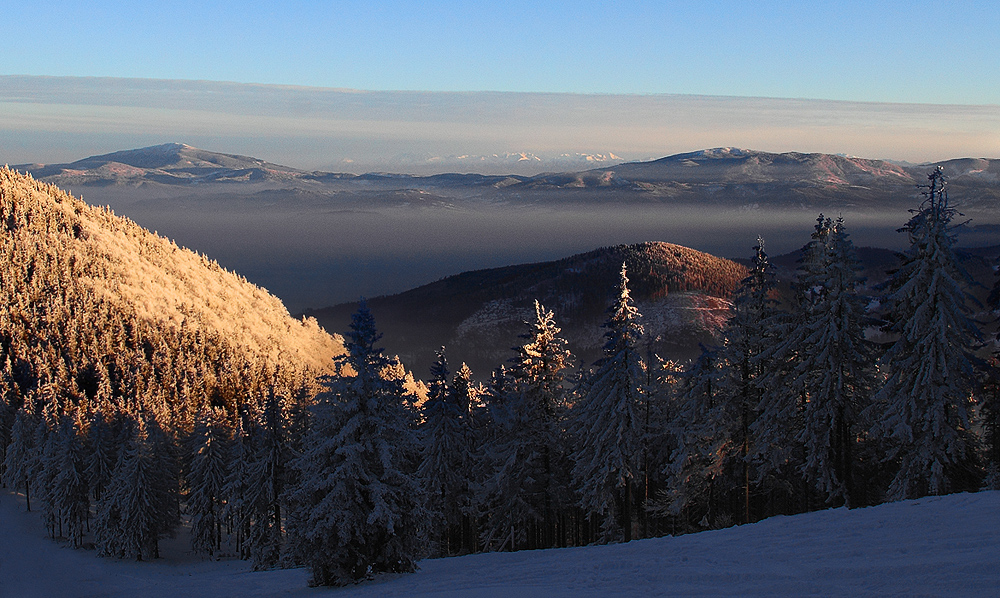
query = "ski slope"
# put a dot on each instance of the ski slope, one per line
(936, 546)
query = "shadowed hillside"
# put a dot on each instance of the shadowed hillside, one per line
(478, 315)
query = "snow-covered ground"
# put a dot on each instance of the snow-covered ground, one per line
(939, 546)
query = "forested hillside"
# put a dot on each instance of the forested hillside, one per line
(683, 294)
(115, 341)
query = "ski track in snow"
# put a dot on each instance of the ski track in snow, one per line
(935, 546)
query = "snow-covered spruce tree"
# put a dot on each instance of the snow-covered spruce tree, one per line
(270, 463)
(606, 426)
(696, 460)
(358, 508)
(69, 495)
(539, 373)
(778, 454)
(130, 516)
(925, 409)
(166, 475)
(659, 402)
(19, 457)
(468, 397)
(747, 334)
(7, 411)
(102, 453)
(445, 449)
(837, 371)
(206, 480)
(44, 464)
(990, 413)
(821, 372)
(250, 489)
(530, 484)
(242, 486)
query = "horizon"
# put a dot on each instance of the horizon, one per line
(63, 119)
(343, 87)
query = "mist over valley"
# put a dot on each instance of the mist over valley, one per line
(317, 239)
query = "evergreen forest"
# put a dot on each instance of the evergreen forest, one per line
(145, 389)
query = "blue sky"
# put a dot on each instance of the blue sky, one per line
(911, 52)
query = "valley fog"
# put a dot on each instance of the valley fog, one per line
(314, 258)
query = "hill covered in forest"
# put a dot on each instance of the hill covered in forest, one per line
(99, 309)
(682, 294)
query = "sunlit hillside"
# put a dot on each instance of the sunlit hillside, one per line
(93, 301)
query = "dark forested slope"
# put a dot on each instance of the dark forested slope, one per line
(682, 294)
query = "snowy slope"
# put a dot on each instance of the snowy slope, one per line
(939, 546)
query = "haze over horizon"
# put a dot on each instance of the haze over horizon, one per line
(63, 119)
(316, 85)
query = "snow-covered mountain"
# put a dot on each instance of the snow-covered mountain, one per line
(935, 546)
(720, 176)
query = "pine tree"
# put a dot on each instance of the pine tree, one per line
(358, 508)
(606, 424)
(925, 409)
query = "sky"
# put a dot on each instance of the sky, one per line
(872, 50)
(643, 55)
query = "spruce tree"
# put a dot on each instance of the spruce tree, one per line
(358, 508)
(102, 453)
(925, 408)
(242, 486)
(820, 370)
(206, 481)
(129, 519)
(69, 493)
(837, 371)
(445, 449)
(991, 394)
(700, 443)
(19, 457)
(747, 335)
(529, 485)
(270, 464)
(606, 425)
